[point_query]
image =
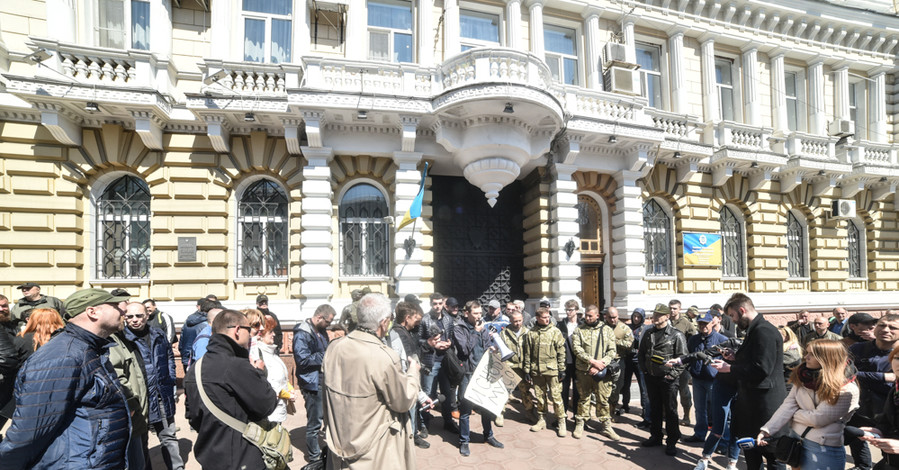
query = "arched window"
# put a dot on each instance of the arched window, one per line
(364, 237)
(588, 219)
(796, 247)
(262, 231)
(123, 230)
(657, 239)
(856, 246)
(733, 248)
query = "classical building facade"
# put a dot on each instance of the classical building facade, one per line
(577, 149)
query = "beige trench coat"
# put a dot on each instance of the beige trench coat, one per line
(366, 400)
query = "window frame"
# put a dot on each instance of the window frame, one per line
(239, 230)
(734, 87)
(99, 240)
(740, 241)
(862, 254)
(801, 98)
(127, 24)
(662, 47)
(391, 32)
(388, 242)
(668, 244)
(267, 19)
(560, 24)
(803, 240)
(859, 85)
(485, 10)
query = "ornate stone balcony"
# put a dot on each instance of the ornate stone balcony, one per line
(250, 78)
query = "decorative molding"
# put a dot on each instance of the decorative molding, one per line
(408, 127)
(218, 130)
(149, 127)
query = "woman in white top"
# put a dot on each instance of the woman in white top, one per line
(275, 369)
(823, 398)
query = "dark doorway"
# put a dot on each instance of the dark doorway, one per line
(478, 250)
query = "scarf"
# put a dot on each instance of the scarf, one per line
(809, 377)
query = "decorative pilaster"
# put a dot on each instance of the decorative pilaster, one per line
(592, 48)
(317, 254)
(564, 239)
(676, 72)
(710, 106)
(841, 93)
(513, 26)
(161, 29)
(628, 260)
(630, 45)
(220, 24)
(408, 255)
(451, 28)
(301, 42)
(817, 114)
(61, 20)
(778, 95)
(877, 131)
(535, 7)
(425, 34)
(750, 89)
(357, 29)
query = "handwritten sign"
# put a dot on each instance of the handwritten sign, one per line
(491, 384)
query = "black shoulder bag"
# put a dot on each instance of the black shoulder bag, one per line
(789, 448)
(612, 367)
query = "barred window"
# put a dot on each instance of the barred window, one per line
(123, 230)
(732, 244)
(856, 251)
(795, 247)
(364, 237)
(657, 239)
(262, 231)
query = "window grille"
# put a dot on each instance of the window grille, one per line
(123, 230)
(732, 244)
(795, 247)
(657, 239)
(262, 231)
(364, 236)
(856, 254)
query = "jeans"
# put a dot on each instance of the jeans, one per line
(664, 394)
(465, 407)
(723, 394)
(168, 442)
(702, 395)
(820, 457)
(313, 402)
(429, 386)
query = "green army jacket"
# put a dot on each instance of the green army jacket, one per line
(544, 351)
(584, 344)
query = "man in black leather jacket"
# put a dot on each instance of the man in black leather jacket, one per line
(9, 365)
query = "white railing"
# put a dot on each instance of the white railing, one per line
(367, 77)
(872, 154)
(736, 135)
(809, 146)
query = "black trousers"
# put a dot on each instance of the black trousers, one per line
(663, 396)
(569, 387)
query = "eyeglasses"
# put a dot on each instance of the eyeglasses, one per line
(134, 316)
(571, 310)
(241, 327)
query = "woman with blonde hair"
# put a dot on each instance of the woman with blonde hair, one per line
(42, 323)
(792, 353)
(823, 398)
(257, 322)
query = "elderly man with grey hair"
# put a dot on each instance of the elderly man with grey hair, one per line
(367, 395)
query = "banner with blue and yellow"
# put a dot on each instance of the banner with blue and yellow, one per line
(702, 249)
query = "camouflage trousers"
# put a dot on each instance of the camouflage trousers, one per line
(548, 388)
(524, 388)
(586, 386)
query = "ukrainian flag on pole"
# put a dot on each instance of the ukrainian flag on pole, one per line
(414, 211)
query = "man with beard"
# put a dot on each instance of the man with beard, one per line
(544, 362)
(310, 340)
(594, 348)
(401, 339)
(262, 306)
(758, 368)
(436, 332)
(32, 299)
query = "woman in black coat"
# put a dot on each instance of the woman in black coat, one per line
(885, 436)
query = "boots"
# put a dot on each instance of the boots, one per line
(686, 420)
(562, 432)
(612, 413)
(578, 429)
(605, 429)
(541, 423)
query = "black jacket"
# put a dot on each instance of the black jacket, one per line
(562, 325)
(9, 365)
(189, 331)
(238, 389)
(663, 343)
(758, 369)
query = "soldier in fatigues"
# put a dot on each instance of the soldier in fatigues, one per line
(513, 335)
(594, 347)
(624, 338)
(544, 362)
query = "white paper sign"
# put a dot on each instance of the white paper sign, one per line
(491, 384)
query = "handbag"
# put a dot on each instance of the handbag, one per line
(272, 439)
(455, 371)
(788, 449)
(612, 368)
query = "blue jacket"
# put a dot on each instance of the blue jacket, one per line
(189, 332)
(308, 351)
(201, 342)
(159, 369)
(697, 343)
(71, 409)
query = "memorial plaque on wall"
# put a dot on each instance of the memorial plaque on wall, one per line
(187, 249)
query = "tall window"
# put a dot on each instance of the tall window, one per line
(732, 244)
(857, 109)
(657, 239)
(649, 59)
(561, 53)
(478, 29)
(795, 247)
(364, 237)
(267, 30)
(112, 18)
(856, 248)
(724, 81)
(791, 93)
(390, 31)
(588, 219)
(262, 231)
(123, 230)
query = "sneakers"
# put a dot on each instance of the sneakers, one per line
(541, 425)
(492, 442)
(693, 439)
(421, 443)
(464, 450)
(731, 465)
(703, 464)
(499, 420)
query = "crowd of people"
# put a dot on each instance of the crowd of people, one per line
(85, 380)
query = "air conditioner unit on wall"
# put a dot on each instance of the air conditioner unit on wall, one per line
(841, 128)
(842, 209)
(622, 80)
(615, 52)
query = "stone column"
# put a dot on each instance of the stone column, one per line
(751, 103)
(841, 93)
(513, 26)
(316, 238)
(425, 33)
(564, 271)
(61, 20)
(592, 48)
(711, 108)
(817, 115)
(357, 30)
(535, 7)
(408, 270)
(679, 102)
(778, 95)
(627, 30)
(628, 260)
(877, 131)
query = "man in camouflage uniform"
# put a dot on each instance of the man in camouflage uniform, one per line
(544, 362)
(594, 348)
(513, 335)
(624, 338)
(348, 316)
(688, 328)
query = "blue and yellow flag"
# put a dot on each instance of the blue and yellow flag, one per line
(702, 249)
(414, 211)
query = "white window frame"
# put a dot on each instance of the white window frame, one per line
(94, 19)
(391, 32)
(557, 23)
(801, 97)
(483, 10)
(735, 78)
(267, 44)
(860, 96)
(663, 70)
